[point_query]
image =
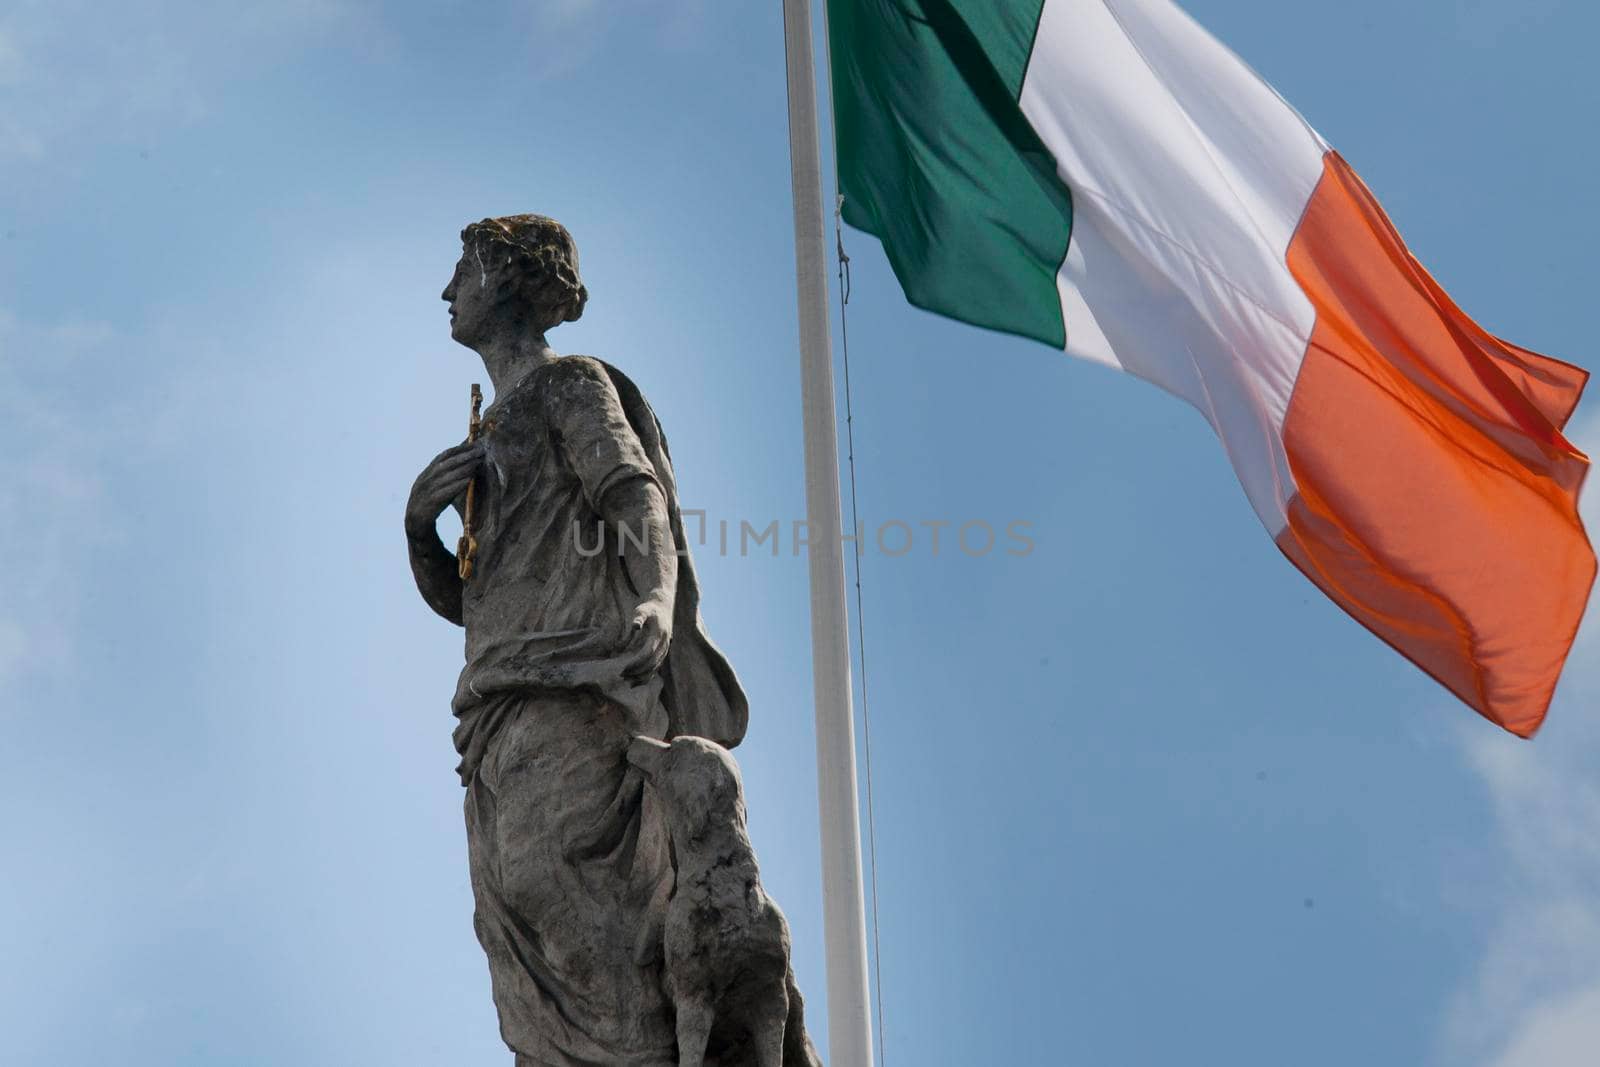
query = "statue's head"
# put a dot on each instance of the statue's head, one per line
(519, 273)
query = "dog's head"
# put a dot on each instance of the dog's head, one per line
(697, 780)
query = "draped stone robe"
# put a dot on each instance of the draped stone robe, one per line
(569, 854)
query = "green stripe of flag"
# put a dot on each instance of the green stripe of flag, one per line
(937, 160)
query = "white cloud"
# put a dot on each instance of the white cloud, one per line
(73, 68)
(16, 139)
(64, 455)
(1487, 22)
(1535, 1000)
(13, 648)
(11, 69)
(52, 497)
(1563, 1034)
(568, 33)
(556, 14)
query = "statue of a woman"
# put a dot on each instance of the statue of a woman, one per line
(582, 631)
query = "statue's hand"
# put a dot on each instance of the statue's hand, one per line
(649, 637)
(440, 482)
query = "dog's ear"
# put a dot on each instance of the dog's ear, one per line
(648, 754)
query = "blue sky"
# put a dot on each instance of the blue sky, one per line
(1142, 794)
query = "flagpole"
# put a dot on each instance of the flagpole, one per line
(843, 901)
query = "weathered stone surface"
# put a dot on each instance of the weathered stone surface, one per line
(726, 942)
(583, 633)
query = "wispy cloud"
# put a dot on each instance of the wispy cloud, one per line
(73, 69)
(51, 495)
(1535, 1000)
(11, 68)
(563, 14)
(1486, 22)
(16, 137)
(569, 33)
(74, 426)
(1565, 1033)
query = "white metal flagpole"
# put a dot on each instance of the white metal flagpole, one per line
(843, 903)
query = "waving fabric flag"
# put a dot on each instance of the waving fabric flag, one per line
(1105, 177)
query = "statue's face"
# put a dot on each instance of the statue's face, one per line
(471, 296)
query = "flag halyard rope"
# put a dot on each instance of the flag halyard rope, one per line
(861, 629)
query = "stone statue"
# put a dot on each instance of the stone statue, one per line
(727, 944)
(583, 632)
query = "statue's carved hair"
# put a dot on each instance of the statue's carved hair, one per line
(539, 254)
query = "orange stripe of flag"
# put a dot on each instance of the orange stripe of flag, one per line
(1437, 498)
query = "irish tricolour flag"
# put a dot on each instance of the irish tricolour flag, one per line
(1105, 177)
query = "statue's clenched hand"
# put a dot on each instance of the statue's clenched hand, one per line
(440, 482)
(649, 637)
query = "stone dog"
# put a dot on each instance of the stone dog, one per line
(726, 944)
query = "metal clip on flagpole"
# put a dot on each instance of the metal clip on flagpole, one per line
(844, 906)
